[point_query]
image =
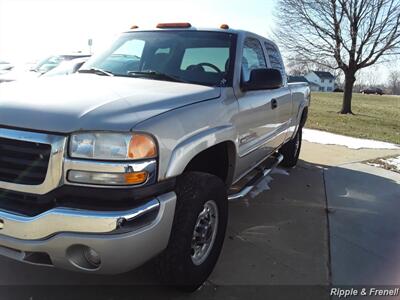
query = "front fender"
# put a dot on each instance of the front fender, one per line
(188, 149)
(185, 132)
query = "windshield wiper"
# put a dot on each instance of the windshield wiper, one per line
(156, 75)
(96, 71)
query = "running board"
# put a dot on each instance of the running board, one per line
(245, 185)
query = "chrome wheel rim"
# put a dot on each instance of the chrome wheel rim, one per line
(204, 233)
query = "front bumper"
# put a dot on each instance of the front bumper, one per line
(121, 239)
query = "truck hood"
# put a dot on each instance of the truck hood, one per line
(91, 102)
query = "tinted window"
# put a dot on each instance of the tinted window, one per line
(127, 55)
(275, 58)
(199, 57)
(131, 48)
(253, 57)
(216, 56)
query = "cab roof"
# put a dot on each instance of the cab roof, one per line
(188, 27)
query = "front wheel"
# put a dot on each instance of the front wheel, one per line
(291, 150)
(198, 231)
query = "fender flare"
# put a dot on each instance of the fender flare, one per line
(185, 151)
(302, 108)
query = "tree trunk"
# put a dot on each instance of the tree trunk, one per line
(348, 92)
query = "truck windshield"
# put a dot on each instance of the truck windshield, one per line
(199, 57)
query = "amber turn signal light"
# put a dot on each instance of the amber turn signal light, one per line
(135, 178)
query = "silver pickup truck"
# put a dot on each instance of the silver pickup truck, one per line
(136, 156)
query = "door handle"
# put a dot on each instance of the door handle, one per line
(274, 103)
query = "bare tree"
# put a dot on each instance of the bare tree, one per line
(370, 76)
(300, 66)
(296, 66)
(341, 34)
(394, 82)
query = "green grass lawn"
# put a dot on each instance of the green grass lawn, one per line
(376, 117)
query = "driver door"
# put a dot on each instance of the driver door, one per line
(256, 120)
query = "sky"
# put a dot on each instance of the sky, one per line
(33, 29)
(30, 29)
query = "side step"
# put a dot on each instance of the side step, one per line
(247, 183)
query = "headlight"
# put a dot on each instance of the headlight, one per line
(112, 146)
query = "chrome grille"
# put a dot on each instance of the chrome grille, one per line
(23, 162)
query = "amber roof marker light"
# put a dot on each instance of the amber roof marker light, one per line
(174, 25)
(224, 26)
(134, 27)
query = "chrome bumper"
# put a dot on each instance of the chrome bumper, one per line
(119, 252)
(121, 238)
(69, 220)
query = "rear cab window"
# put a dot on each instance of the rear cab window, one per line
(253, 57)
(275, 59)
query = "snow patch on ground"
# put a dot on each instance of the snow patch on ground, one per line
(263, 185)
(395, 162)
(327, 138)
(391, 163)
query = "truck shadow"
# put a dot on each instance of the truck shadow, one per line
(277, 245)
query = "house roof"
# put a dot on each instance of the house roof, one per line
(314, 84)
(297, 79)
(292, 79)
(324, 75)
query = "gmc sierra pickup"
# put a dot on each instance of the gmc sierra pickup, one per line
(136, 156)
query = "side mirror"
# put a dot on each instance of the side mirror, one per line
(263, 79)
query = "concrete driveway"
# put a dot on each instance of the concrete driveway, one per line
(364, 221)
(281, 242)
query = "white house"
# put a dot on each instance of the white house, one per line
(313, 86)
(323, 81)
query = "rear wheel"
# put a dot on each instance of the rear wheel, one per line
(198, 231)
(291, 150)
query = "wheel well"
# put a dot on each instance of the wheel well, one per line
(218, 160)
(304, 116)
